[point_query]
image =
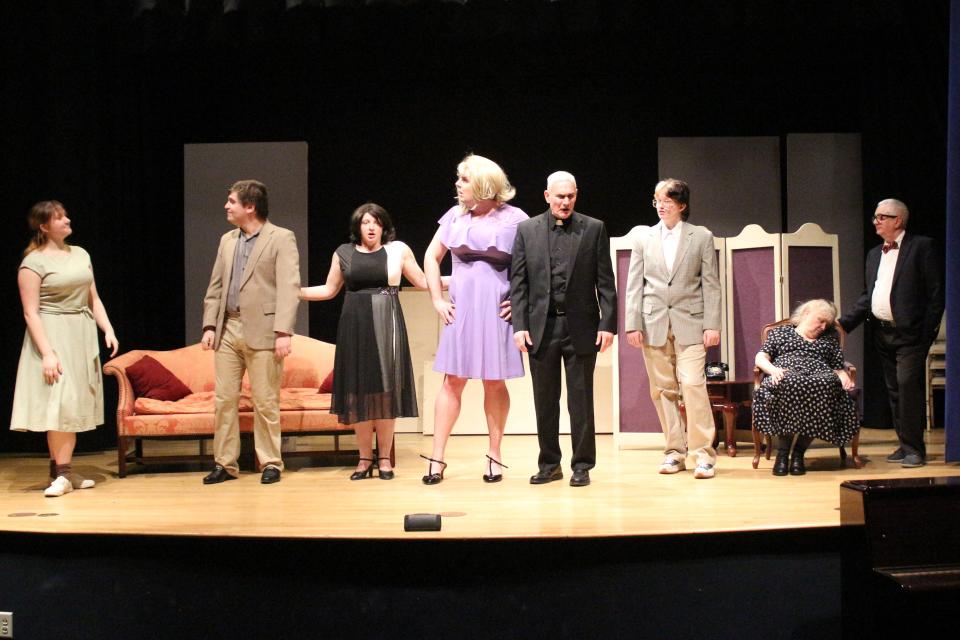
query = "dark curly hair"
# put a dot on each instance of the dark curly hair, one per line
(378, 212)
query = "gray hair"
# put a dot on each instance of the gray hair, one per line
(560, 176)
(901, 208)
(818, 304)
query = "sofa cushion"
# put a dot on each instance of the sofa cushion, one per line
(150, 379)
(297, 399)
(327, 385)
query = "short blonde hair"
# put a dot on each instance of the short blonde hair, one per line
(828, 309)
(487, 179)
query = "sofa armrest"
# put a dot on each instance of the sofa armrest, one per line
(117, 367)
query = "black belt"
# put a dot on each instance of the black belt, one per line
(557, 309)
(381, 291)
(886, 324)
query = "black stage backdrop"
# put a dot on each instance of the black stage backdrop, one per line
(99, 99)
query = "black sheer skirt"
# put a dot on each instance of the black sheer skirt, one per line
(373, 374)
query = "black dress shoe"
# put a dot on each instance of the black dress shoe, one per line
(797, 467)
(270, 475)
(780, 464)
(548, 475)
(218, 475)
(580, 478)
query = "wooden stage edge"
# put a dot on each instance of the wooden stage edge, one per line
(627, 497)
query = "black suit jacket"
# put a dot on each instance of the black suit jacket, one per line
(916, 296)
(591, 298)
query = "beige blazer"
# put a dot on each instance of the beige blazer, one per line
(686, 299)
(269, 289)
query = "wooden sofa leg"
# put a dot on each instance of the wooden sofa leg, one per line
(122, 456)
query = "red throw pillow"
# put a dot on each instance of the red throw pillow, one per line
(327, 385)
(150, 379)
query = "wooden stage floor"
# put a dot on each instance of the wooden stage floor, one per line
(627, 498)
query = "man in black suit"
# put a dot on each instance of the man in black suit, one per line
(903, 302)
(564, 304)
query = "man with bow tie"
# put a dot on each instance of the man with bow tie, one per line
(673, 313)
(903, 302)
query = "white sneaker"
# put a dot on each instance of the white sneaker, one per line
(82, 483)
(704, 471)
(669, 465)
(58, 487)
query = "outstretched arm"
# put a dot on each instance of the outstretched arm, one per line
(328, 289)
(412, 271)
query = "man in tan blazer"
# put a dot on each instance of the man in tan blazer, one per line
(249, 312)
(673, 312)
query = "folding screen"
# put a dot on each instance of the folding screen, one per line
(754, 295)
(768, 275)
(811, 267)
(635, 421)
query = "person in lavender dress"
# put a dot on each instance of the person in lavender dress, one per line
(477, 338)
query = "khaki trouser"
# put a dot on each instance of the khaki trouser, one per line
(232, 358)
(675, 370)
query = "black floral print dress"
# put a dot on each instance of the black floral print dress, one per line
(810, 399)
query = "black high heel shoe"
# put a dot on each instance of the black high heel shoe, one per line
(384, 474)
(431, 477)
(489, 476)
(366, 473)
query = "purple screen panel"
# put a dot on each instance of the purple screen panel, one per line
(713, 353)
(811, 274)
(637, 413)
(754, 304)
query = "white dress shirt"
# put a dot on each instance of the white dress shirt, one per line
(880, 302)
(670, 239)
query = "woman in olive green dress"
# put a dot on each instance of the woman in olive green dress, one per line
(59, 385)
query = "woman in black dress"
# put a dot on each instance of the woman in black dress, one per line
(804, 392)
(373, 380)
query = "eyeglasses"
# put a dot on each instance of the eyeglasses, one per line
(666, 203)
(880, 217)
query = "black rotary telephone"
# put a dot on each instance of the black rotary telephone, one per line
(716, 370)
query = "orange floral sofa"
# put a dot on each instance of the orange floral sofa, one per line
(303, 409)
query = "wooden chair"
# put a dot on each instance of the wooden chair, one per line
(936, 368)
(758, 377)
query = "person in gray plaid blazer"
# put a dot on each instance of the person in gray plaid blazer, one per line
(673, 313)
